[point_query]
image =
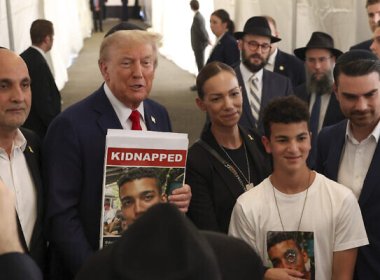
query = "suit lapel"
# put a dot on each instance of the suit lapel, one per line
(107, 116)
(371, 180)
(151, 120)
(333, 113)
(32, 160)
(335, 152)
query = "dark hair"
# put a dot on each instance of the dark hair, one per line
(371, 2)
(210, 70)
(288, 109)
(355, 68)
(139, 173)
(194, 4)
(225, 17)
(278, 237)
(39, 30)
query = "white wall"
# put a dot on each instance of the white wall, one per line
(345, 20)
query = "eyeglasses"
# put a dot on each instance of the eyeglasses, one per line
(313, 60)
(253, 46)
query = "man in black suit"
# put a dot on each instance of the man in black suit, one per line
(283, 63)
(199, 36)
(97, 8)
(46, 99)
(319, 56)
(258, 85)
(74, 146)
(373, 11)
(19, 154)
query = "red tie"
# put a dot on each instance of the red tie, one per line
(135, 118)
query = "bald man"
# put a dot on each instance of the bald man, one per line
(19, 153)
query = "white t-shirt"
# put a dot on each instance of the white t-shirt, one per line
(331, 212)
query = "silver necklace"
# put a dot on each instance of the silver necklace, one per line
(291, 254)
(248, 184)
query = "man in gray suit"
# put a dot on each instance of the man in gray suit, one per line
(199, 37)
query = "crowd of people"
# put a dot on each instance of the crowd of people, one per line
(282, 183)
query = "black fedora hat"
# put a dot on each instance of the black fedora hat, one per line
(318, 40)
(257, 26)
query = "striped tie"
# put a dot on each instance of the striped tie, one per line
(254, 101)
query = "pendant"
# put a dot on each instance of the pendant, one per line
(290, 256)
(249, 186)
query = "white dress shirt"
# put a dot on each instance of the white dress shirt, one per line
(123, 112)
(356, 159)
(271, 61)
(15, 174)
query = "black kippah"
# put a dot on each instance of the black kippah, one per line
(354, 55)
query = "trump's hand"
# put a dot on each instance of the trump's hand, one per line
(181, 197)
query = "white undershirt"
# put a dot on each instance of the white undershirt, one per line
(325, 99)
(356, 159)
(123, 112)
(15, 174)
(271, 61)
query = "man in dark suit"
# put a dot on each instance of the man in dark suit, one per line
(75, 144)
(349, 152)
(19, 154)
(97, 8)
(319, 56)
(46, 99)
(373, 11)
(258, 85)
(199, 36)
(283, 63)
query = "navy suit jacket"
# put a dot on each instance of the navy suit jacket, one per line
(274, 85)
(46, 99)
(333, 112)
(333, 115)
(290, 66)
(73, 157)
(226, 51)
(331, 141)
(363, 45)
(37, 246)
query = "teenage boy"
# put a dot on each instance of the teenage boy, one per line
(323, 215)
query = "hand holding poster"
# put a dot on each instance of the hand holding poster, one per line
(141, 169)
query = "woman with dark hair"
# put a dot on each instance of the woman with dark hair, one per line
(226, 49)
(227, 160)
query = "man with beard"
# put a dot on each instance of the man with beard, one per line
(259, 86)
(319, 56)
(349, 151)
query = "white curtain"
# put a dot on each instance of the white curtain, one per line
(72, 23)
(345, 20)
